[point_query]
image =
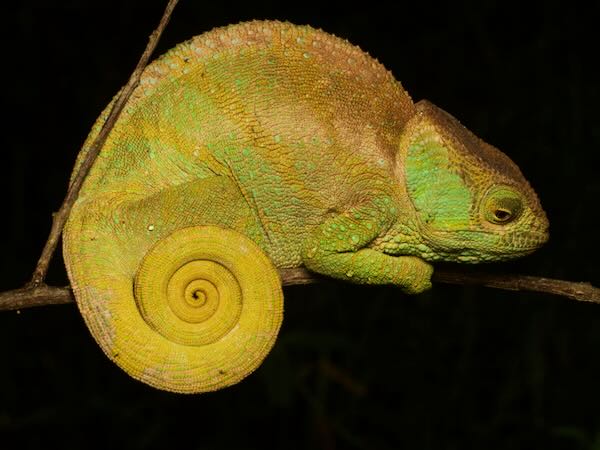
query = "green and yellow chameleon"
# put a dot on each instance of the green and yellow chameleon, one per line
(266, 145)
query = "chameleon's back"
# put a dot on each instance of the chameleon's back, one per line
(259, 128)
(285, 111)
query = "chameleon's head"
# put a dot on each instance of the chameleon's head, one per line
(472, 202)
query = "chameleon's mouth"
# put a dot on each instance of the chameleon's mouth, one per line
(468, 246)
(525, 241)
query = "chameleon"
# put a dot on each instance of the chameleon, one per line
(263, 146)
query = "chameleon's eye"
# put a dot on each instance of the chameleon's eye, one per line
(502, 205)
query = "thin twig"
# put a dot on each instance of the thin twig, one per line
(580, 291)
(59, 219)
(46, 295)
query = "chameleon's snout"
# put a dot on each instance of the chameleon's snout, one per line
(541, 233)
(539, 238)
(527, 241)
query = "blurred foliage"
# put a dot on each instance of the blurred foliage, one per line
(354, 367)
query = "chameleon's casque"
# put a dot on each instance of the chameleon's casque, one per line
(260, 146)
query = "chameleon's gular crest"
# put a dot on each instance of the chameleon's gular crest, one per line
(472, 201)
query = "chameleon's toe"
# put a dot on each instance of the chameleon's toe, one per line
(415, 276)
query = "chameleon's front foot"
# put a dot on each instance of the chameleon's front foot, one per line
(367, 266)
(339, 248)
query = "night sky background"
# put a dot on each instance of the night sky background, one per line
(354, 367)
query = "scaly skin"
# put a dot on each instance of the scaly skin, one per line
(293, 140)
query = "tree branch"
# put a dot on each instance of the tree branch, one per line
(36, 293)
(59, 219)
(580, 291)
(29, 297)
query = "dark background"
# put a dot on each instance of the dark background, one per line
(354, 367)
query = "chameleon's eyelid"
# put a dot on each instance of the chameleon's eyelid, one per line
(502, 198)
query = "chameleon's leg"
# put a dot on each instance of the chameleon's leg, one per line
(339, 248)
(209, 201)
